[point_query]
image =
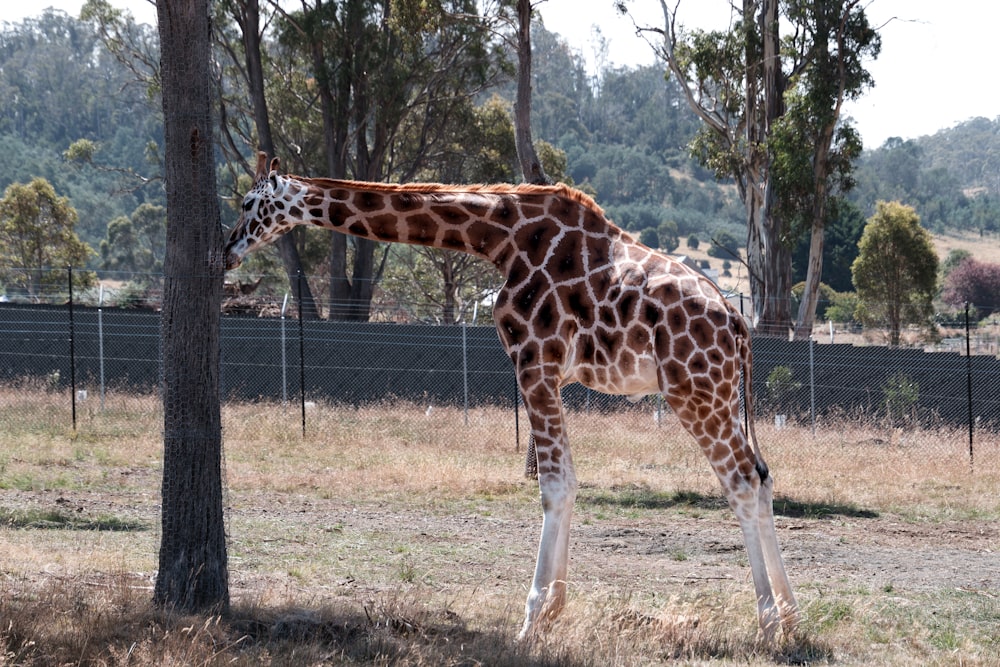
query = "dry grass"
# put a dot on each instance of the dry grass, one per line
(983, 248)
(389, 536)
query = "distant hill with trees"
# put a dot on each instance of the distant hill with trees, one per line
(624, 134)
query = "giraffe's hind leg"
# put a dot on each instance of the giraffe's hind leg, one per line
(784, 598)
(742, 477)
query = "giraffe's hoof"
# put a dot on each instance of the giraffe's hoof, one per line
(770, 621)
(528, 634)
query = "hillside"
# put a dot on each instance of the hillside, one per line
(624, 136)
(983, 248)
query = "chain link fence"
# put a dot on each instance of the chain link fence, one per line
(101, 349)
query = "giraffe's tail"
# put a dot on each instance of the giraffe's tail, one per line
(746, 359)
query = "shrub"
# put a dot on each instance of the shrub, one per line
(780, 385)
(900, 393)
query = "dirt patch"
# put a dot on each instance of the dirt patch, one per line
(662, 545)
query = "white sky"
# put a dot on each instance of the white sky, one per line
(936, 68)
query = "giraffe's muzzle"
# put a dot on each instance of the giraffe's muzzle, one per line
(232, 255)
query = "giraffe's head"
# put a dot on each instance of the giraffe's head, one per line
(262, 217)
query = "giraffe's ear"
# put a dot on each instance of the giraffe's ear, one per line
(261, 171)
(275, 163)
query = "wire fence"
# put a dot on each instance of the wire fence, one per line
(943, 395)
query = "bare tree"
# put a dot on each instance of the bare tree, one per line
(193, 571)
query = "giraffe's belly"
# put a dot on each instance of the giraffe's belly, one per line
(634, 376)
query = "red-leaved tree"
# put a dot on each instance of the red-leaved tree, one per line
(976, 283)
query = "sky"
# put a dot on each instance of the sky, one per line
(930, 75)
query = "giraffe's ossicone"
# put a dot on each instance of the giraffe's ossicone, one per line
(583, 301)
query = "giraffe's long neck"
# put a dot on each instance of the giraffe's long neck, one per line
(479, 220)
(511, 226)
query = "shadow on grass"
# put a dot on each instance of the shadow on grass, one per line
(58, 519)
(638, 497)
(635, 497)
(799, 509)
(387, 633)
(72, 621)
(407, 633)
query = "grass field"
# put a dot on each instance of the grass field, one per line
(387, 535)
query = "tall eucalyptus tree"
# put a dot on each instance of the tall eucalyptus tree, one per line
(769, 105)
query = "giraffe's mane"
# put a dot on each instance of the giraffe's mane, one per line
(559, 189)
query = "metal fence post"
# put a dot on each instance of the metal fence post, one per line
(812, 384)
(517, 415)
(302, 358)
(968, 378)
(465, 374)
(284, 354)
(100, 340)
(72, 347)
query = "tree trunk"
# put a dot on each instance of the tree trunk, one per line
(810, 295)
(531, 166)
(335, 106)
(250, 21)
(450, 306)
(193, 572)
(821, 188)
(771, 262)
(817, 237)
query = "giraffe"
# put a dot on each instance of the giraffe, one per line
(582, 301)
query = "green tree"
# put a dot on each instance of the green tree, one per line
(59, 85)
(779, 387)
(649, 237)
(37, 235)
(668, 235)
(813, 150)
(900, 394)
(955, 257)
(436, 286)
(840, 247)
(136, 244)
(480, 149)
(895, 273)
(372, 90)
(724, 246)
(765, 99)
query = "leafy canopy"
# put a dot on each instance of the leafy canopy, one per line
(976, 283)
(895, 273)
(36, 235)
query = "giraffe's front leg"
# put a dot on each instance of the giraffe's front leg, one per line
(557, 484)
(547, 596)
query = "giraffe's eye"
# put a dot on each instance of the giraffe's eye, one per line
(247, 205)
